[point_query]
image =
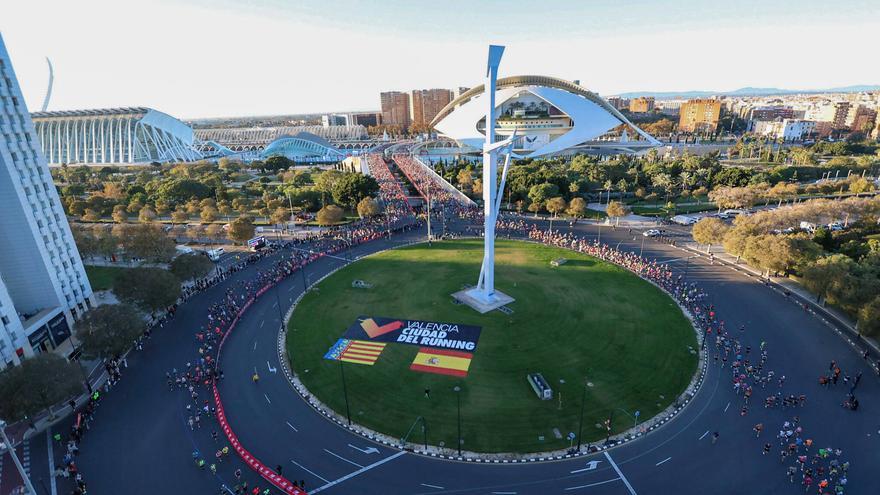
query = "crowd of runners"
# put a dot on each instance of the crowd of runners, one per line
(823, 469)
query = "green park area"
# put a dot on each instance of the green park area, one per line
(102, 277)
(583, 321)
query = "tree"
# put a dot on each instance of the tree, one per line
(241, 229)
(179, 215)
(615, 210)
(540, 193)
(208, 214)
(280, 215)
(40, 382)
(276, 163)
(109, 330)
(147, 214)
(556, 205)
(869, 318)
(351, 188)
(150, 289)
(181, 190)
(465, 181)
(90, 215)
(577, 207)
(189, 266)
(119, 214)
(828, 272)
(214, 231)
(536, 207)
(368, 207)
(329, 215)
(708, 231)
(146, 241)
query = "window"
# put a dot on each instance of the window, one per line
(5, 319)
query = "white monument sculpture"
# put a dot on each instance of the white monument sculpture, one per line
(484, 297)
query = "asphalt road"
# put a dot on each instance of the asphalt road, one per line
(140, 442)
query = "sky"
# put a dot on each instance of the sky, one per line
(219, 58)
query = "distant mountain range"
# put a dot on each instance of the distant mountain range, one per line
(750, 92)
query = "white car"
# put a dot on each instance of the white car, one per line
(652, 233)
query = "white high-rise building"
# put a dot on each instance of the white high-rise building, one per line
(43, 285)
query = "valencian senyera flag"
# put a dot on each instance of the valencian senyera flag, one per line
(442, 361)
(355, 351)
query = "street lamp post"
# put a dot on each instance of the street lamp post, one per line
(642, 249)
(8, 444)
(345, 393)
(457, 390)
(609, 426)
(581, 422)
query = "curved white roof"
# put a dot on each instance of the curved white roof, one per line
(591, 115)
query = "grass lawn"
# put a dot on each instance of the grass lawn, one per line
(585, 318)
(102, 277)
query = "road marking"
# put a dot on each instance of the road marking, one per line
(620, 473)
(504, 493)
(291, 426)
(267, 398)
(255, 347)
(704, 435)
(311, 472)
(359, 471)
(52, 484)
(271, 369)
(432, 486)
(368, 450)
(664, 460)
(590, 466)
(275, 304)
(591, 484)
(262, 322)
(343, 458)
(727, 407)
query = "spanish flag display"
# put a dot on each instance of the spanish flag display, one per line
(442, 361)
(355, 351)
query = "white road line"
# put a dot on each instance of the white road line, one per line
(262, 322)
(727, 407)
(255, 348)
(620, 473)
(325, 480)
(591, 484)
(704, 435)
(291, 426)
(504, 493)
(432, 486)
(267, 398)
(664, 460)
(359, 471)
(343, 458)
(52, 484)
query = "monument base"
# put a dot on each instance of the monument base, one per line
(476, 299)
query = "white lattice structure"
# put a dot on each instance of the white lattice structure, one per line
(114, 135)
(43, 285)
(236, 137)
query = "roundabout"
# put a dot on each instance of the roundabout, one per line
(610, 345)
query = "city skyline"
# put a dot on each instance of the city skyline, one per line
(269, 58)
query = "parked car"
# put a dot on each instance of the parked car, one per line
(652, 233)
(215, 254)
